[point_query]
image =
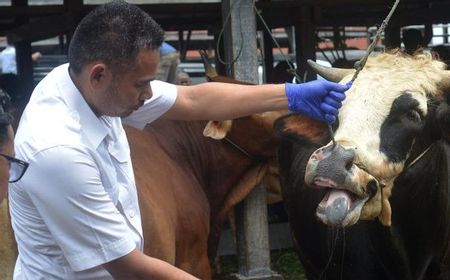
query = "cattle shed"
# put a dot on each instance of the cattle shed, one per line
(25, 21)
(28, 21)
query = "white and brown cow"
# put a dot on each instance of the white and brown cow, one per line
(377, 204)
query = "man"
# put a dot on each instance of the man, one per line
(9, 81)
(11, 169)
(75, 213)
(169, 59)
(183, 79)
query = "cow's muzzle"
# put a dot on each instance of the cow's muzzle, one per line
(350, 187)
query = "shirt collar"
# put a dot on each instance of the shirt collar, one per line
(94, 128)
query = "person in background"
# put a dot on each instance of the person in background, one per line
(9, 81)
(11, 168)
(75, 214)
(183, 79)
(168, 64)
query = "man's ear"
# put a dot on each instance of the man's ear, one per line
(99, 75)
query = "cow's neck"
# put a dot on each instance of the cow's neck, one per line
(214, 164)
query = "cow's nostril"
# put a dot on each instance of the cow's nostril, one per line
(371, 188)
(349, 165)
(348, 157)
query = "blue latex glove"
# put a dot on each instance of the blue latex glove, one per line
(317, 99)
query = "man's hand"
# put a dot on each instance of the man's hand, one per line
(137, 266)
(317, 99)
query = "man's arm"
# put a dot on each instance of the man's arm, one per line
(220, 101)
(136, 265)
(35, 56)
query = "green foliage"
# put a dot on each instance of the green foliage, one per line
(284, 262)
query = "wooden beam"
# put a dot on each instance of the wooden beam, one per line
(19, 3)
(73, 5)
(42, 28)
(305, 42)
(196, 16)
(30, 11)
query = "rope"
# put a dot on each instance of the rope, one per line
(419, 156)
(359, 65)
(291, 67)
(219, 37)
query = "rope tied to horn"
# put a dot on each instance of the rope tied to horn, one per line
(359, 65)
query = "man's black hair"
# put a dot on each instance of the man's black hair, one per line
(113, 33)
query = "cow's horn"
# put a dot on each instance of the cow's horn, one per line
(330, 73)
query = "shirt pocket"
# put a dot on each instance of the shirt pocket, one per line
(119, 152)
(120, 155)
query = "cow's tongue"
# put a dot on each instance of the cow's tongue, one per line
(337, 206)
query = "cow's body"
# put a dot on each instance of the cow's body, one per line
(186, 184)
(184, 180)
(403, 229)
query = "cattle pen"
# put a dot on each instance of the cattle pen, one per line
(235, 31)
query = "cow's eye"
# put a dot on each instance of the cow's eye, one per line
(413, 115)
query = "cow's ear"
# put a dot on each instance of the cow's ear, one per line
(217, 129)
(302, 128)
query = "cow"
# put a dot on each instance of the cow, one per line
(187, 183)
(374, 204)
(8, 248)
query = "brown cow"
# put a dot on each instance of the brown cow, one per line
(187, 183)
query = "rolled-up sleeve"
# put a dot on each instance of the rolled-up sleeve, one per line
(163, 98)
(65, 186)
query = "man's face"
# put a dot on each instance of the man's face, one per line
(184, 80)
(127, 91)
(8, 149)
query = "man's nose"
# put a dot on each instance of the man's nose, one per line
(147, 93)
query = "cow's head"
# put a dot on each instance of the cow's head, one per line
(390, 116)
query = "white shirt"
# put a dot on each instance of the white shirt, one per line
(76, 207)
(8, 60)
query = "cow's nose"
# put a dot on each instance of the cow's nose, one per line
(337, 164)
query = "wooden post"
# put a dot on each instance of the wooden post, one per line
(24, 63)
(268, 56)
(305, 42)
(240, 39)
(392, 38)
(251, 219)
(24, 69)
